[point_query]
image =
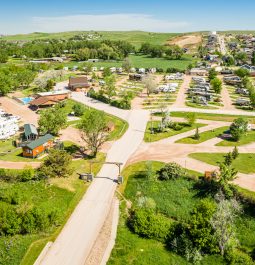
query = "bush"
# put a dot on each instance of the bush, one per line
(121, 104)
(146, 223)
(9, 221)
(170, 171)
(176, 126)
(237, 257)
(78, 110)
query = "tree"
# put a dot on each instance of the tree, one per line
(201, 230)
(107, 72)
(127, 65)
(150, 84)
(93, 126)
(216, 84)
(212, 74)
(228, 159)
(57, 164)
(25, 77)
(52, 120)
(241, 57)
(5, 84)
(170, 171)
(197, 135)
(227, 174)
(223, 222)
(253, 58)
(241, 72)
(3, 56)
(109, 88)
(191, 118)
(238, 128)
(235, 153)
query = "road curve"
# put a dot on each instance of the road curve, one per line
(75, 241)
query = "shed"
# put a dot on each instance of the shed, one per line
(78, 83)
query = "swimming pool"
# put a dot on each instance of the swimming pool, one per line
(26, 100)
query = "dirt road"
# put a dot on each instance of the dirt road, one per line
(181, 97)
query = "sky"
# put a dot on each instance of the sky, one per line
(26, 16)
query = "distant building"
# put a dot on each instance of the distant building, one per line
(78, 83)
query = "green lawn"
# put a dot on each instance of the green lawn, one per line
(149, 137)
(213, 117)
(120, 125)
(71, 191)
(6, 146)
(246, 139)
(204, 136)
(244, 163)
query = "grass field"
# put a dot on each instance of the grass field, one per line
(248, 138)
(209, 116)
(134, 37)
(120, 126)
(175, 199)
(143, 61)
(204, 136)
(244, 163)
(149, 137)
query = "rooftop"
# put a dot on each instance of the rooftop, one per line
(40, 141)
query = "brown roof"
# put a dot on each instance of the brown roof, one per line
(43, 100)
(81, 80)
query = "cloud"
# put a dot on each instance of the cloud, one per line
(116, 22)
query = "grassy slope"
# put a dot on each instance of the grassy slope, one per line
(135, 37)
(246, 139)
(245, 163)
(148, 137)
(203, 136)
(71, 186)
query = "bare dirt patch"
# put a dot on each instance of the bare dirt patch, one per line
(186, 41)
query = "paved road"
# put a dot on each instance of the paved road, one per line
(79, 234)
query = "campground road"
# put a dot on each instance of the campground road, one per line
(76, 240)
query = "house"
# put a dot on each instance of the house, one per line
(38, 146)
(49, 99)
(30, 132)
(78, 83)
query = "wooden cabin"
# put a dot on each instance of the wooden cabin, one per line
(38, 146)
(78, 84)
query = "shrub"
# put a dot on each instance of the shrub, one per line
(146, 223)
(9, 221)
(237, 257)
(78, 110)
(121, 104)
(170, 171)
(235, 153)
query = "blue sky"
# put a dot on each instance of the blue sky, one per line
(26, 16)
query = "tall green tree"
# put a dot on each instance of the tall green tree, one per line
(93, 126)
(216, 84)
(52, 120)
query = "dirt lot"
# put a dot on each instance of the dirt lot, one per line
(187, 41)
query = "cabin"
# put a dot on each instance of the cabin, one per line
(78, 84)
(30, 132)
(49, 99)
(38, 146)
